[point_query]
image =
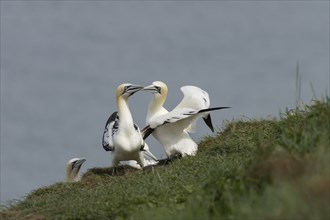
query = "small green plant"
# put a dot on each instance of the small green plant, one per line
(298, 86)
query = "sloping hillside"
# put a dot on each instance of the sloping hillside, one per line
(252, 169)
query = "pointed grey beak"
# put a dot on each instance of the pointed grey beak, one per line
(133, 89)
(79, 162)
(152, 88)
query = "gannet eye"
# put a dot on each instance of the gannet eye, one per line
(73, 164)
(126, 88)
(159, 89)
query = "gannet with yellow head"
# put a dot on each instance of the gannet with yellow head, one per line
(171, 128)
(72, 169)
(121, 136)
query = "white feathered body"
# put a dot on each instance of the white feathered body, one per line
(175, 141)
(174, 136)
(128, 147)
(128, 140)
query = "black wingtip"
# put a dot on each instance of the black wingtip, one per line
(212, 109)
(208, 122)
(107, 148)
(207, 118)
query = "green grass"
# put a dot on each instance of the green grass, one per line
(255, 169)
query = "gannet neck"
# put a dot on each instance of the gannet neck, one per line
(157, 101)
(125, 116)
(69, 176)
(73, 177)
(123, 92)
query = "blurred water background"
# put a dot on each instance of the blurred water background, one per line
(62, 60)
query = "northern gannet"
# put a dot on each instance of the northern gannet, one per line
(121, 136)
(171, 128)
(72, 169)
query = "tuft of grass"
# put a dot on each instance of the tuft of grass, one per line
(253, 169)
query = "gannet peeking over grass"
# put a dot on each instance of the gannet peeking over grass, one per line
(121, 136)
(171, 128)
(72, 169)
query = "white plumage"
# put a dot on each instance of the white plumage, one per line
(171, 128)
(121, 136)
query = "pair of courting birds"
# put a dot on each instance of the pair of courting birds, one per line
(125, 140)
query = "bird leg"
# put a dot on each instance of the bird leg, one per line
(114, 171)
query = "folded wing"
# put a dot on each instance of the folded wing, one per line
(111, 127)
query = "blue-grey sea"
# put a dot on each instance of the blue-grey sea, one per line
(62, 60)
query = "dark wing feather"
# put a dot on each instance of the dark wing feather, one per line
(212, 109)
(111, 127)
(146, 131)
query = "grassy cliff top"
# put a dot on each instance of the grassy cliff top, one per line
(252, 169)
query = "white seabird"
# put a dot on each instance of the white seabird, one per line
(72, 169)
(171, 128)
(121, 136)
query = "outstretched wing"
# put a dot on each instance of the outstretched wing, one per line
(111, 127)
(193, 98)
(182, 117)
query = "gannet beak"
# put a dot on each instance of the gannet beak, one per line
(152, 88)
(135, 88)
(131, 89)
(79, 162)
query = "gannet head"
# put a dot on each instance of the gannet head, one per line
(157, 87)
(72, 169)
(125, 90)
